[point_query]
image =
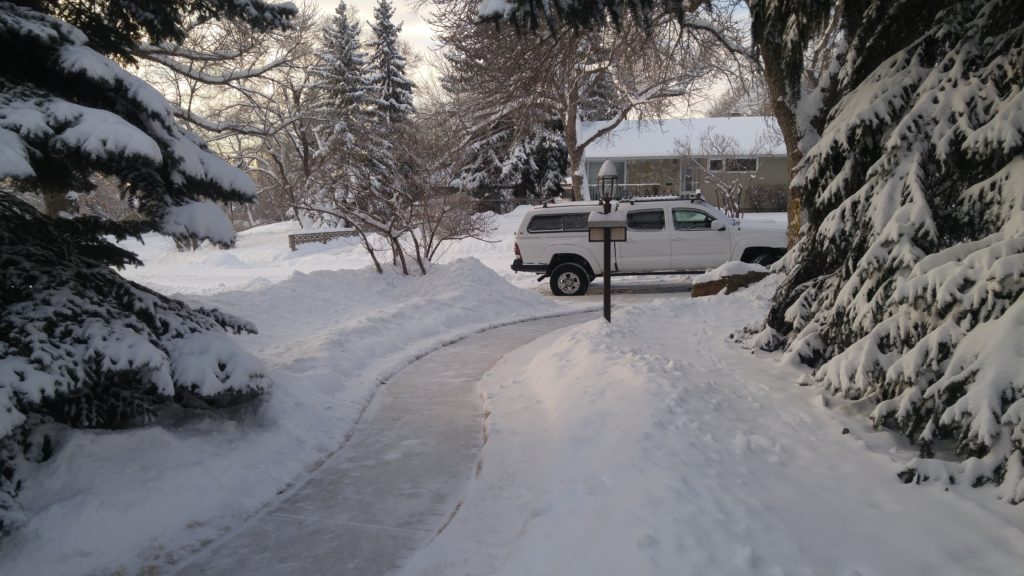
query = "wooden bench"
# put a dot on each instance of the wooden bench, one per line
(322, 237)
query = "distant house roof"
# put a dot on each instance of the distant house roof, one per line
(651, 139)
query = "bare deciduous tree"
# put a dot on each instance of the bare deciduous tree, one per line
(495, 74)
(251, 97)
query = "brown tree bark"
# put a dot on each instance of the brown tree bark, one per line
(571, 143)
(786, 119)
(775, 78)
(56, 202)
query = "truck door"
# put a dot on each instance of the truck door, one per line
(647, 247)
(696, 245)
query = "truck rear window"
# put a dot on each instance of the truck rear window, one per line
(559, 223)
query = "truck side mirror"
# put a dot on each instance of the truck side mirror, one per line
(718, 225)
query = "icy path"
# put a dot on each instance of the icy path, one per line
(654, 446)
(395, 483)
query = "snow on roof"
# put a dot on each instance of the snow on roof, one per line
(651, 138)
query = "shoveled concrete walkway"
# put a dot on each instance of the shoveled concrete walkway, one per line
(394, 485)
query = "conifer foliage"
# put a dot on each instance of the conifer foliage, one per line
(343, 76)
(393, 89)
(530, 166)
(79, 344)
(907, 288)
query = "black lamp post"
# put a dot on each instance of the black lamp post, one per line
(607, 178)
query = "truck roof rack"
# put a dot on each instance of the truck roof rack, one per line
(692, 196)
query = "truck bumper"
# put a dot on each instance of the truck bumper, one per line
(518, 266)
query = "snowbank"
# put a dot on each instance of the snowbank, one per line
(732, 268)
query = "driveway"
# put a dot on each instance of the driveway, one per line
(396, 483)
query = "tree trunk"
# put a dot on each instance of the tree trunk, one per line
(775, 78)
(370, 251)
(400, 255)
(571, 139)
(54, 203)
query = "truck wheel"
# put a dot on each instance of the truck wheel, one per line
(569, 280)
(767, 258)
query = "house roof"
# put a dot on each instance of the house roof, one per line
(651, 138)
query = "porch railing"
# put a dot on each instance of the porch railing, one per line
(636, 190)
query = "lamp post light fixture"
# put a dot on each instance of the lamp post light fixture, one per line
(607, 179)
(607, 227)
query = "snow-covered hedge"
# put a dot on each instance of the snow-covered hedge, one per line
(81, 345)
(907, 287)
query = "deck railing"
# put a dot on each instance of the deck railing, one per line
(642, 190)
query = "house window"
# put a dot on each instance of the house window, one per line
(732, 164)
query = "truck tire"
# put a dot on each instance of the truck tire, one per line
(569, 279)
(767, 258)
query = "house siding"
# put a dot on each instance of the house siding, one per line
(663, 171)
(766, 193)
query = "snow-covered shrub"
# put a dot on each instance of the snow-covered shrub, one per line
(906, 289)
(79, 344)
(82, 346)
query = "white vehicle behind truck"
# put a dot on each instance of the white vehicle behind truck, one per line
(665, 235)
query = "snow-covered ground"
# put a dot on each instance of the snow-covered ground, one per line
(653, 445)
(261, 258)
(331, 329)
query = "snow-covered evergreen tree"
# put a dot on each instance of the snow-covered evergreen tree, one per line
(538, 164)
(79, 344)
(907, 288)
(530, 166)
(343, 76)
(598, 99)
(393, 89)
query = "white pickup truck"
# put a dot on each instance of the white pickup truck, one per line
(663, 236)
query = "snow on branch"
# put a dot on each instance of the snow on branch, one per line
(117, 124)
(908, 288)
(188, 70)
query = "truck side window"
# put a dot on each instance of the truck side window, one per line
(646, 219)
(691, 220)
(559, 223)
(546, 223)
(577, 222)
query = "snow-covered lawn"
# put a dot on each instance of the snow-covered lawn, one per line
(654, 445)
(261, 257)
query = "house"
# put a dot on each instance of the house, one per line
(736, 160)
